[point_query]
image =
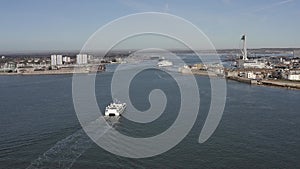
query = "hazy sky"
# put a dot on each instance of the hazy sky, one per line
(67, 24)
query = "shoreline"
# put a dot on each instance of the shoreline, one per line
(44, 73)
(24, 74)
(51, 72)
(266, 82)
(271, 83)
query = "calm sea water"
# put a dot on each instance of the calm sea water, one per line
(259, 129)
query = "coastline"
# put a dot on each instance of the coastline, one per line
(272, 83)
(267, 82)
(42, 73)
(61, 71)
(48, 73)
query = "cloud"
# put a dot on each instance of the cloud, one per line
(137, 5)
(284, 2)
(273, 5)
(166, 10)
(227, 1)
(141, 6)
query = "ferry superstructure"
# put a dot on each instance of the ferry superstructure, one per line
(164, 63)
(115, 109)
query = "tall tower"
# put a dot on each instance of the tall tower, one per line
(81, 59)
(244, 50)
(53, 60)
(59, 59)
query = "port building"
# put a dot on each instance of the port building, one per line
(81, 59)
(56, 60)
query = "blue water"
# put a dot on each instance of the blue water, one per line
(38, 126)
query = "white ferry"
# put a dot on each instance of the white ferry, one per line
(164, 63)
(115, 109)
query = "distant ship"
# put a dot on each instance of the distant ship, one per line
(185, 69)
(164, 63)
(115, 109)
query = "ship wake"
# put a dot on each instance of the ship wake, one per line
(65, 152)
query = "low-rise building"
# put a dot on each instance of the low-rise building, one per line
(251, 75)
(294, 77)
(24, 69)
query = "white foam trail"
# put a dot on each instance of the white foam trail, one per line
(65, 152)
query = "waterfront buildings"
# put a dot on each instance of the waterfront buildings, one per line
(66, 60)
(81, 59)
(56, 63)
(294, 77)
(56, 60)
